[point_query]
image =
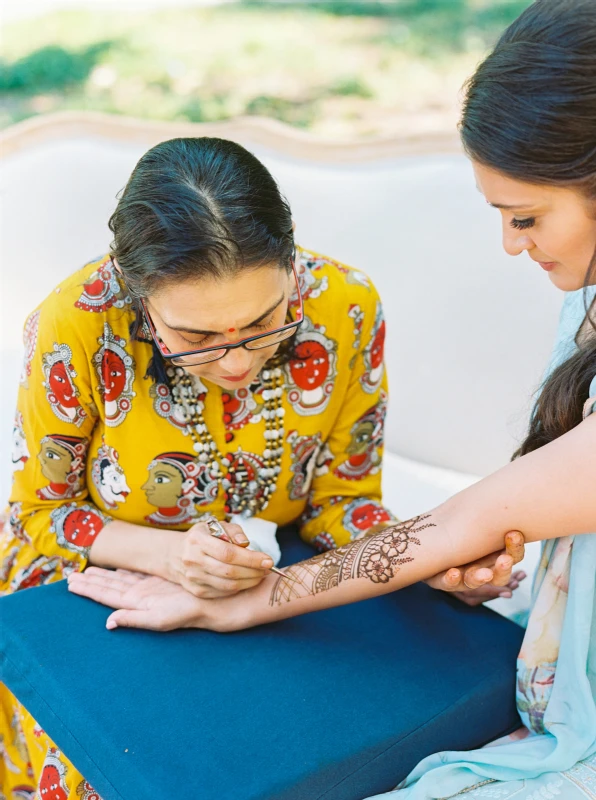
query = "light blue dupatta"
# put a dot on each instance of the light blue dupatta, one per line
(556, 674)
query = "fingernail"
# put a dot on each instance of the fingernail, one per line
(505, 594)
(240, 538)
(266, 563)
(111, 624)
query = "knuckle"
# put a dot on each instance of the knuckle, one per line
(227, 554)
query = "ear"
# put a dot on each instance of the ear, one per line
(293, 226)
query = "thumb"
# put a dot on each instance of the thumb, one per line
(124, 618)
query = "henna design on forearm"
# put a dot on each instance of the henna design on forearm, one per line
(376, 557)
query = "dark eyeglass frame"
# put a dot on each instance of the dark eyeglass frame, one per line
(226, 346)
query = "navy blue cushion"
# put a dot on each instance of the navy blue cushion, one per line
(338, 705)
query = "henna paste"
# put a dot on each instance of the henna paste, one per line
(376, 556)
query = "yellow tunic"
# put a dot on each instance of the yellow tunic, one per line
(95, 440)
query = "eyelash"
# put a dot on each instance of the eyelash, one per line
(523, 224)
(263, 326)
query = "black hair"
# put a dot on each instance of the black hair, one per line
(196, 208)
(530, 113)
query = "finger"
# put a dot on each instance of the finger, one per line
(469, 599)
(106, 595)
(235, 533)
(124, 618)
(502, 570)
(212, 566)
(124, 575)
(515, 545)
(520, 575)
(110, 580)
(224, 585)
(474, 577)
(232, 554)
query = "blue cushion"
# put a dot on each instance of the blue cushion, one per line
(338, 705)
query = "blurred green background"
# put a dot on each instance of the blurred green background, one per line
(343, 69)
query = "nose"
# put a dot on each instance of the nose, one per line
(237, 361)
(515, 242)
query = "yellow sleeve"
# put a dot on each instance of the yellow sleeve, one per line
(345, 498)
(55, 418)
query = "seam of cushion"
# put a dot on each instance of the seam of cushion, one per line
(404, 738)
(51, 711)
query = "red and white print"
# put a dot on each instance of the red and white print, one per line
(103, 290)
(76, 526)
(311, 285)
(40, 571)
(23, 792)
(86, 792)
(20, 451)
(108, 477)
(166, 406)
(52, 783)
(61, 392)
(354, 276)
(30, 343)
(62, 460)
(176, 485)
(311, 370)
(239, 407)
(310, 458)
(115, 369)
(362, 514)
(373, 354)
(324, 541)
(366, 439)
(13, 525)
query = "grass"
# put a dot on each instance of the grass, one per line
(342, 69)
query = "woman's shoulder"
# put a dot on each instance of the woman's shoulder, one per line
(94, 291)
(329, 285)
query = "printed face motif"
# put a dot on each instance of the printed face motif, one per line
(366, 440)
(374, 369)
(20, 451)
(310, 366)
(312, 370)
(362, 514)
(40, 571)
(108, 477)
(311, 285)
(114, 375)
(103, 290)
(115, 369)
(76, 526)
(309, 459)
(30, 343)
(61, 391)
(176, 485)
(52, 785)
(62, 460)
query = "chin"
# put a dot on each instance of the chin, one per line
(565, 281)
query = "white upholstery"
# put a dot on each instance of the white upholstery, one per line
(469, 329)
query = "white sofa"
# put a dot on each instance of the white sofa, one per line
(469, 329)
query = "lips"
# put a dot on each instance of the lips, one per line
(235, 378)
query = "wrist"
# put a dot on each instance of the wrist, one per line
(168, 561)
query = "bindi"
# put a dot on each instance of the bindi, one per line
(231, 330)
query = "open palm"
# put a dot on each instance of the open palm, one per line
(142, 601)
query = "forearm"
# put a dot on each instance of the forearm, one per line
(547, 494)
(122, 545)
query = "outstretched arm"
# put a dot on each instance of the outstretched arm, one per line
(547, 494)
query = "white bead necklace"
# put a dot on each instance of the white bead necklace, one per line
(246, 493)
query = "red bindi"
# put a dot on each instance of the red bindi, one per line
(231, 330)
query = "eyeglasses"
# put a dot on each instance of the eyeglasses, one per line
(204, 355)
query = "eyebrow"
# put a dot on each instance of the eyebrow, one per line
(265, 314)
(509, 208)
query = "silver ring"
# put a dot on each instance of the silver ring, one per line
(215, 527)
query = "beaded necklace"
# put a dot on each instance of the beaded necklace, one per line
(242, 495)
